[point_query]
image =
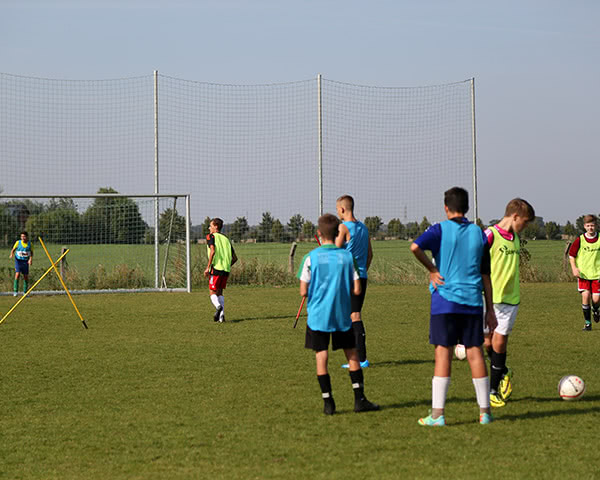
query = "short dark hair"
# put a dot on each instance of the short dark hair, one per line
(590, 219)
(347, 201)
(457, 200)
(24, 233)
(521, 207)
(218, 223)
(328, 226)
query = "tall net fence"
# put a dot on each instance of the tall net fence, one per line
(265, 158)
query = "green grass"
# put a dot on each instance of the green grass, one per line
(154, 389)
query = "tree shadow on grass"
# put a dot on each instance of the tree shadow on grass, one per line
(273, 317)
(398, 363)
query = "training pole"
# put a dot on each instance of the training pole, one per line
(304, 298)
(34, 285)
(62, 282)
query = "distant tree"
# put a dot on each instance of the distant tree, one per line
(164, 225)
(570, 229)
(395, 228)
(412, 230)
(373, 224)
(479, 223)
(494, 221)
(295, 225)
(265, 227)
(56, 226)
(9, 228)
(206, 227)
(424, 225)
(552, 230)
(308, 229)
(277, 231)
(534, 230)
(239, 228)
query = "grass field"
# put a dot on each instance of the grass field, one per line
(260, 264)
(154, 389)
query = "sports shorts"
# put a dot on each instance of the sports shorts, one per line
(217, 282)
(506, 315)
(448, 329)
(589, 285)
(22, 266)
(318, 341)
(358, 300)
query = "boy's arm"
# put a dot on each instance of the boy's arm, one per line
(211, 255)
(369, 254)
(490, 315)
(13, 250)
(303, 289)
(574, 268)
(343, 236)
(234, 257)
(434, 275)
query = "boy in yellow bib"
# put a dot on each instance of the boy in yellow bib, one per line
(505, 253)
(584, 256)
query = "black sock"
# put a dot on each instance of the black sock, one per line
(497, 369)
(587, 313)
(596, 307)
(359, 336)
(325, 384)
(358, 384)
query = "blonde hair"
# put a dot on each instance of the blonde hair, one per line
(590, 219)
(347, 202)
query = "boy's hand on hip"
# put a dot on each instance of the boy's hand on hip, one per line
(490, 320)
(436, 279)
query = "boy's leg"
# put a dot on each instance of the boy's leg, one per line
(596, 306)
(322, 358)
(587, 311)
(358, 327)
(361, 404)
(16, 284)
(214, 299)
(441, 379)
(498, 363)
(25, 283)
(480, 378)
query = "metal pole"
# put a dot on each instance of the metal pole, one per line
(187, 244)
(320, 134)
(473, 141)
(156, 219)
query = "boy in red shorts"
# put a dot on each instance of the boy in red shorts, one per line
(584, 256)
(221, 256)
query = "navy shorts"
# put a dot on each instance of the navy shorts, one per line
(319, 341)
(449, 329)
(22, 266)
(358, 300)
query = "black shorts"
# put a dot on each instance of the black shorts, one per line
(449, 329)
(358, 300)
(318, 341)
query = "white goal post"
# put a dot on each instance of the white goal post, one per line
(117, 242)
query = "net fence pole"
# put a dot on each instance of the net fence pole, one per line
(320, 137)
(187, 244)
(156, 229)
(473, 140)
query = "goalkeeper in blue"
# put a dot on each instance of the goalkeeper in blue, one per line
(23, 253)
(460, 273)
(328, 275)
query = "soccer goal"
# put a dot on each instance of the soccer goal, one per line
(116, 242)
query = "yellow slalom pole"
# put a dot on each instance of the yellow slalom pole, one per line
(33, 286)
(62, 282)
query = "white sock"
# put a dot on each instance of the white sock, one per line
(215, 301)
(482, 390)
(222, 303)
(439, 390)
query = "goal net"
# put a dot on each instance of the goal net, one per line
(111, 239)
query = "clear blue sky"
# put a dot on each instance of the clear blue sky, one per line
(536, 65)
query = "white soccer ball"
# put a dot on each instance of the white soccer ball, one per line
(460, 352)
(571, 387)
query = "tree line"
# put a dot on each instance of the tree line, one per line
(271, 229)
(105, 221)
